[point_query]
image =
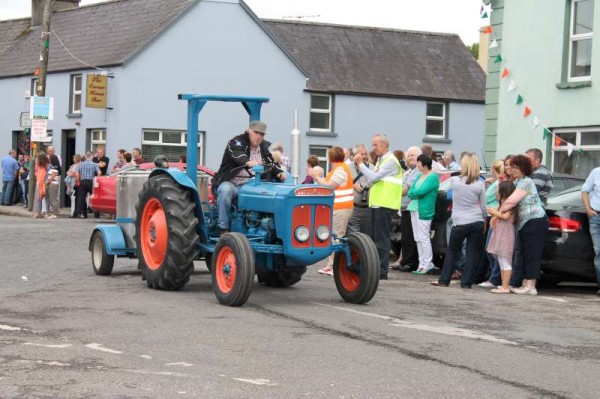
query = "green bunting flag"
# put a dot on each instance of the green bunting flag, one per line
(46, 44)
(498, 59)
(547, 133)
(484, 16)
(519, 100)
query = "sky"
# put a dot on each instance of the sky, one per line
(456, 16)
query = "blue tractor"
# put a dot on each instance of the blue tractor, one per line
(277, 230)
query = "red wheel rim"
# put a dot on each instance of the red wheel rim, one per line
(348, 277)
(154, 234)
(226, 270)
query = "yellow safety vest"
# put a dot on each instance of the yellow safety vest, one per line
(387, 192)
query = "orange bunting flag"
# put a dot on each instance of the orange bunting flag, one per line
(488, 29)
(505, 73)
(36, 72)
(527, 112)
(557, 141)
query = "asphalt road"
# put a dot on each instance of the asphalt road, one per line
(65, 332)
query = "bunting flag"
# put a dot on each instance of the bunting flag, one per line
(36, 72)
(494, 44)
(519, 100)
(547, 133)
(557, 141)
(527, 112)
(536, 122)
(498, 59)
(484, 16)
(505, 72)
(488, 29)
(570, 148)
(512, 86)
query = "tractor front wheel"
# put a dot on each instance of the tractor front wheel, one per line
(232, 269)
(166, 234)
(358, 282)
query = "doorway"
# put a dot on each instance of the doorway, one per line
(68, 150)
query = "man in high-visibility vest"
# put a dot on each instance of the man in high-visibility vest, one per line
(385, 196)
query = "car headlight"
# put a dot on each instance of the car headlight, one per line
(322, 233)
(301, 233)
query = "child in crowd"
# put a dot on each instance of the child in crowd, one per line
(502, 240)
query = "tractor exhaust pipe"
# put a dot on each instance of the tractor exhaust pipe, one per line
(296, 150)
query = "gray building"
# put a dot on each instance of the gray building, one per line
(346, 82)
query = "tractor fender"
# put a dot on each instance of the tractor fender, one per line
(182, 179)
(114, 239)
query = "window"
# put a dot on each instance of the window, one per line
(75, 94)
(581, 30)
(171, 143)
(98, 139)
(320, 113)
(436, 120)
(321, 152)
(584, 157)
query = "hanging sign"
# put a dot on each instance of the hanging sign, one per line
(42, 108)
(39, 130)
(95, 93)
(25, 120)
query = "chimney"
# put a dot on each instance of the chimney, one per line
(37, 9)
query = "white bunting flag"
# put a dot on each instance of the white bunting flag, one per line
(570, 148)
(511, 85)
(536, 122)
(494, 44)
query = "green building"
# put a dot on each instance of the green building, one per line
(544, 53)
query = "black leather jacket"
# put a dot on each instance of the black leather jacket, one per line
(237, 154)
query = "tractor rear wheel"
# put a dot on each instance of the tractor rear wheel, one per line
(166, 234)
(101, 261)
(357, 283)
(232, 269)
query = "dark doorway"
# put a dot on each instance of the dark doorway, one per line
(67, 150)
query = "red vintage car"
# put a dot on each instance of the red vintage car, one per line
(104, 193)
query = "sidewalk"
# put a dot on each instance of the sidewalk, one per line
(18, 210)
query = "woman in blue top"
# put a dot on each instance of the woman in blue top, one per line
(533, 222)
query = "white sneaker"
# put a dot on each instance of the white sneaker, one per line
(487, 284)
(524, 291)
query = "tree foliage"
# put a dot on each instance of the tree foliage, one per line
(474, 49)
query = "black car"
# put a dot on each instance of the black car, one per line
(568, 251)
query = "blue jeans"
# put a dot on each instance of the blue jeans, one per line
(25, 190)
(473, 233)
(493, 262)
(226, 192)
(7, 189)
(460, 257)
(595, 233)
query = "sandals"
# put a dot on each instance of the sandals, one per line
(500, 291)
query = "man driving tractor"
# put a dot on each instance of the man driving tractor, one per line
(241, 154)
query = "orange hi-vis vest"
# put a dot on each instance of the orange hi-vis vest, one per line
(344, 194)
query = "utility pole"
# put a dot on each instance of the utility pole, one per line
(41, 88)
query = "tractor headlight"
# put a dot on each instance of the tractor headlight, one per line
(301, 233)
(322, 233)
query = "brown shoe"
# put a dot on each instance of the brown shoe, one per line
(436, 283)
(456, 275)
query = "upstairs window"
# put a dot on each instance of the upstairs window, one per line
(34, 86)
(581, 31)
(75, 94)
(436, 120)
(320, 113)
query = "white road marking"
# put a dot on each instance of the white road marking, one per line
(99, 347)
(184, 364)
(61, 346)
(146, 356)
(258, 381)
(553, 299)
(163, 373)
(11, 328)
(445, 330)
(53, 363)
(24, 278)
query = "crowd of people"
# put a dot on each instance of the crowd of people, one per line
(496, 230)
(47, 169)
